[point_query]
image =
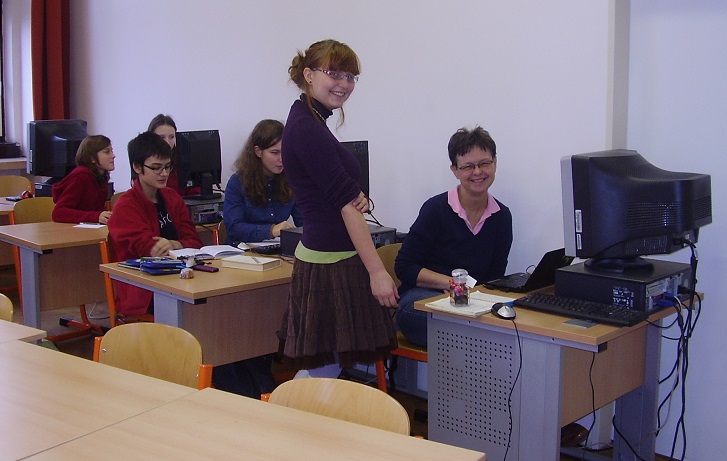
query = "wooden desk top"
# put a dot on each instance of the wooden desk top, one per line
(50, 235)
(49, 397)
(10, 331)
(212, 424)
(204, 284)
(5, 206)
(548, 325)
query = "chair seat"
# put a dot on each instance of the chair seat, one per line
(409, 350)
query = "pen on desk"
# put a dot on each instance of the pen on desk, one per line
(255, 259)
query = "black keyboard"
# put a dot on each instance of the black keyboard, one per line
(581, 309)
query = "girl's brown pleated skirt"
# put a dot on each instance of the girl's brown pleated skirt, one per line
(333, 317)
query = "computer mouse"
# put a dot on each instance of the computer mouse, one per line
(503, 310)
(243, 246)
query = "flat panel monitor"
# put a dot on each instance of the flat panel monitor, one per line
(199, 162)
(52, 146)
(360, 150)
(618, 207)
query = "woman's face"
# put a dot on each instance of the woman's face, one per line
(329, 91)
(271, 159)
(168, 134)
(475, 171)
(105, 159)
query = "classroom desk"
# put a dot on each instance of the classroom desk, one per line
(212, 424)
(49, 398)
(65, 258)
(10, 331)
(473, 365)
(234, 313)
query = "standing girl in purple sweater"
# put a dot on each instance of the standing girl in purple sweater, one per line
(338, 311)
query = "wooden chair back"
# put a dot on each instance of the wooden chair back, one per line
(388, 253)
(6, 308)
(14, 185)
(36, 209)
(112, 201)
(156, 350)
(345, 400)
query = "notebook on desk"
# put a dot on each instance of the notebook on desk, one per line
(542, 276)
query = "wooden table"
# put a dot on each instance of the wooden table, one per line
(65, 258)
(10, 331)
(49, 398)
(212, 424)
(234, 313)
(474, 362)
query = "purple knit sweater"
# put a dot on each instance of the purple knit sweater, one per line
(322, 174)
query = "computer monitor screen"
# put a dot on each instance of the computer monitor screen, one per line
(360, 150)
(618, 207)
(52, 146)
(199, 161)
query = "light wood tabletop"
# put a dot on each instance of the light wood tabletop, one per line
(10, 331)
(49, 398)
(219, 308)
(549, 325)
(204, 284)
(212, 424)
(64, 257)
(49, 235)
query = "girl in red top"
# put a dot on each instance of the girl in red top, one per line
(149, 219)
(81, 195)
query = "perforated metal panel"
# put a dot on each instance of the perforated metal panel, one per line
(471, 375)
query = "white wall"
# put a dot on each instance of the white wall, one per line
(678, 119)
(533, 76)
(538, 75)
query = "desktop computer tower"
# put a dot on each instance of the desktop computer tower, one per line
(640, 290)
(289, 238)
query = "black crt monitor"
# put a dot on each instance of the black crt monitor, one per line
(618, 207)
(360, 150)
(199, 162)
(52, 146)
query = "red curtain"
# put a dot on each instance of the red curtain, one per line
(50, 45)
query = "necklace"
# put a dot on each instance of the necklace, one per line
(318, 114)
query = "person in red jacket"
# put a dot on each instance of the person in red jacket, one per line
(82, 194)
(149, 219)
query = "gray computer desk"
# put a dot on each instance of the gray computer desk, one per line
(473, 365)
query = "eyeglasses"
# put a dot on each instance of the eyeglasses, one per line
(470, 167)
(339, 75)
(158, 169)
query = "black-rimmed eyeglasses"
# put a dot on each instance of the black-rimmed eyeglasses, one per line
(158, 169)
(469, 167)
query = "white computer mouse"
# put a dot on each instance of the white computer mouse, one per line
(503, 310)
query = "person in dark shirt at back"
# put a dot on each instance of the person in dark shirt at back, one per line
(463, 228)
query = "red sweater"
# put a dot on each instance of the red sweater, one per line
(132, 228)
(79, 197)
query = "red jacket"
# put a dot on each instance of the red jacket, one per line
(132, 228)
(79, 197)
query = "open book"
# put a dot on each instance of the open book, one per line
(207, 252)
(252, 263)
(480, 303)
